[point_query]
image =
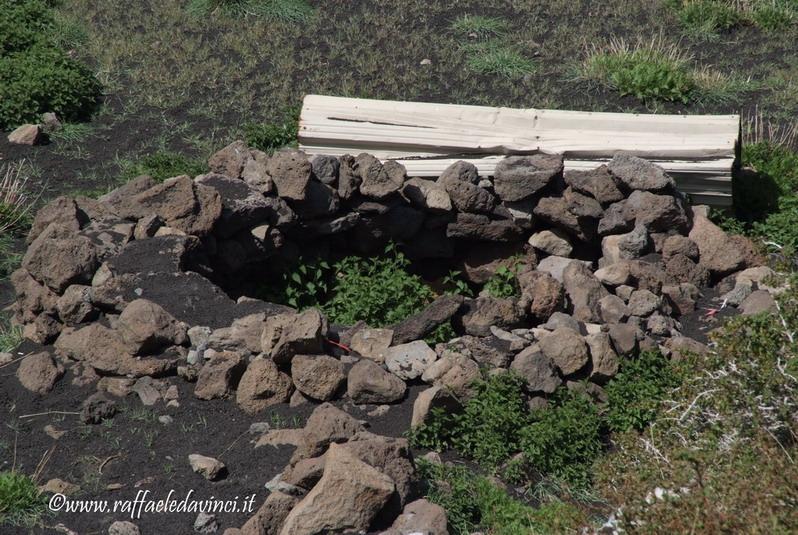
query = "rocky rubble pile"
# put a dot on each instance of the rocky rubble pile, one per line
(128, 289)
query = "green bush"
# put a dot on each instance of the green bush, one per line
(36, 75)
(474, 503)
(306, 285)
(564, 440)
(269, 137)
(163, 164)
(379, 291)
(21, 503)
(636, 392)
(495, 425)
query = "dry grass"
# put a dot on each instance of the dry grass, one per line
(16, 202)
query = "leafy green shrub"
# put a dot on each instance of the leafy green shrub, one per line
(648, 71)
(503, 283)
(565, 439)
(21, 503)
(636, 392)
(36, 75)
(474, 503)
(163, 164)
(495, 425)
(455, 285)
(280, 10)
(269, 137)
(306, 285)
(379, 291)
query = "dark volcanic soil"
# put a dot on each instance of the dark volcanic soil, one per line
(135, 452)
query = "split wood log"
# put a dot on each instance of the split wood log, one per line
(699, 151)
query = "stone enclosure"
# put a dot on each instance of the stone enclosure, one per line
(153, 283)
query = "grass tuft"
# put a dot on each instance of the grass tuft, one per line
(21, 503)
(498, 59)
(16, 202)
(479, 27)
(648, 70)
(163, 164)
(279, 10)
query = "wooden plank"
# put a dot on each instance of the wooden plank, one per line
(699, 150)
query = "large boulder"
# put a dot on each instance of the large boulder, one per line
(148, 327)
(348, 497)
(519, 177)
(326, 425)
(717, 252)
(635, 173)
(538, 370)
(658, 213)
(39, 372)
(59, 257)
(482, 313)
(319, 377)
(285, 335)
(566, 348)
(261, 386)
(368, 382)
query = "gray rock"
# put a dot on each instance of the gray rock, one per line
(566, 348)
(658, 213)
(538, 370)
(758, 302)
(208, 467)
(291, 172)
(480, 227)
(598, 183)
(325, 168)
(379, 180)
(319, 377)
(518, 177)
(421, 324)
(585, 292)
(368, 382)
(372, 343)
(483, 312)
(625, 338)
(603, 357)
(638, 174)
(285, 335)
(206, 523)
(643, 303)
(555, 265)
(408, 361)
(123, 527)
(427, 194)
(612, 309)
(552, 242)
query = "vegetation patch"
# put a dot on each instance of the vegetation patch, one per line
(163, 164)
(475, 503)
(655, 71)
(496, 429)
(734, 418)
(487, 49)
(21, 503)
(36, 73)
(269, 137)
(709, 18)
(281, 10)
